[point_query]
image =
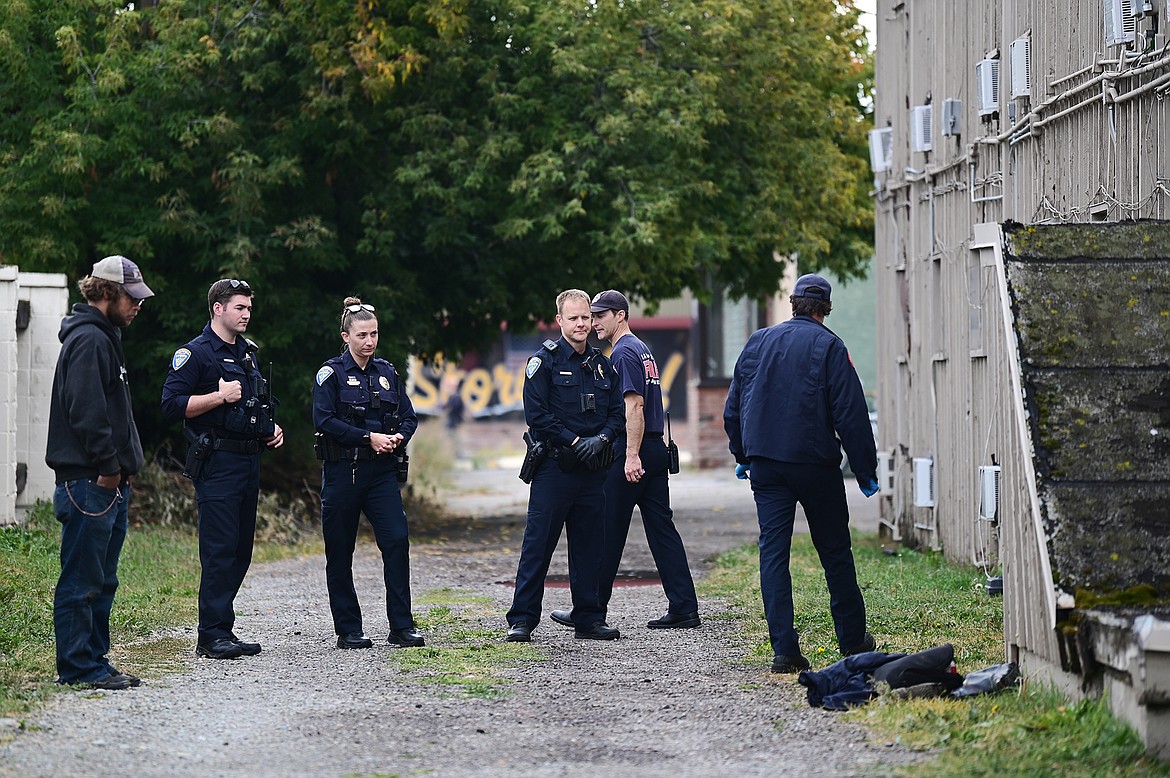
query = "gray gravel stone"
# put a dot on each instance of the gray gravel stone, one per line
(654, 703)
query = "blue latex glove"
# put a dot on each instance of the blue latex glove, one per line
(741, 472)
(868, 485)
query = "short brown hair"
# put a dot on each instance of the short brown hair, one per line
(225, 289)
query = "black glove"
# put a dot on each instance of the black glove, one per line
(588, 448)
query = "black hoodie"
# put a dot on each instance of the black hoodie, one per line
(91, 424)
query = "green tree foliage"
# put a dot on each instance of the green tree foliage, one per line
(455, 162)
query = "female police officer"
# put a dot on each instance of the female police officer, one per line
(364, 420)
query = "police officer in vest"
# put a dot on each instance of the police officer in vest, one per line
(574, 411)
(364, 420)
(640, 474)
(215, 386)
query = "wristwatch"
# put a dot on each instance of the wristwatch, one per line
(366, 438)
(604, 437)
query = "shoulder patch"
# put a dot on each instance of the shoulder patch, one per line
(180, 358)
(323, 374)
(532, 366)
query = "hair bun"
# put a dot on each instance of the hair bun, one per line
(351, 301)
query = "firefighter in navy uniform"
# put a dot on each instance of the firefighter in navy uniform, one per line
(794, 401)
(364, 419)
(574, 411)
(216, 388)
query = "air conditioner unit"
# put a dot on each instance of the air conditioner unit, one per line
(1120, 24)
(987, 84)
(881, 149)
(952, 117)
(989, 492)
(920, 128)
(885, 473)
(924, 482)
(1021, 65)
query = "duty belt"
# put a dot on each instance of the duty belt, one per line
(251, 446)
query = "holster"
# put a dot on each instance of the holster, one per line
(534, 457)
(403, 466)
(198, 452)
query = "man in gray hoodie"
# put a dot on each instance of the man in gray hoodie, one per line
(93, 449)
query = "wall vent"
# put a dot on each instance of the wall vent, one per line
(920, 128)
(1120, 24)
(989, 492)
(987, 78)
(924, 482)
(885, 473)
(952, 117)
(881, 149)
(1021, 67)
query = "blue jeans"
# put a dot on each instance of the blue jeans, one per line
(93, 529)
(778, 487)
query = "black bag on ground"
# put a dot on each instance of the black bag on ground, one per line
(930, 666)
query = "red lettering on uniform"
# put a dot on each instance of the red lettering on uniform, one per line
(651, 368)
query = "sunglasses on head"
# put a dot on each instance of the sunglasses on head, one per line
(237, 284)
(359, 307)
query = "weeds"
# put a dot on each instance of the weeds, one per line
(461, 655)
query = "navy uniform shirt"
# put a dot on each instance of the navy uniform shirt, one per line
(196, 369)
(637, 371)
(341, 385)
(793, 393)
(554, 383)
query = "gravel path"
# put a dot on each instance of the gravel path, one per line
(655, 702)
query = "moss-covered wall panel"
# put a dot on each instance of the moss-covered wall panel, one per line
(1103, 425)
(1108, 539)
(1092, 313)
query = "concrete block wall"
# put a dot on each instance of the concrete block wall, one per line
(8, 400)
(28, 358)
(37, 350)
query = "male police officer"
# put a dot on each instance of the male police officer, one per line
(793, 392)
(574, 411)
(640, 474)
(217, 389)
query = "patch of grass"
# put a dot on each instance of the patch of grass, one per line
(158, 589)
(1031, 731)
(461, 655)
(916, 601)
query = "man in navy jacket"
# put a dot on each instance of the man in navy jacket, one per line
(795, 400)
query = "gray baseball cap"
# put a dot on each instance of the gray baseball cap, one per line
(122, 271)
